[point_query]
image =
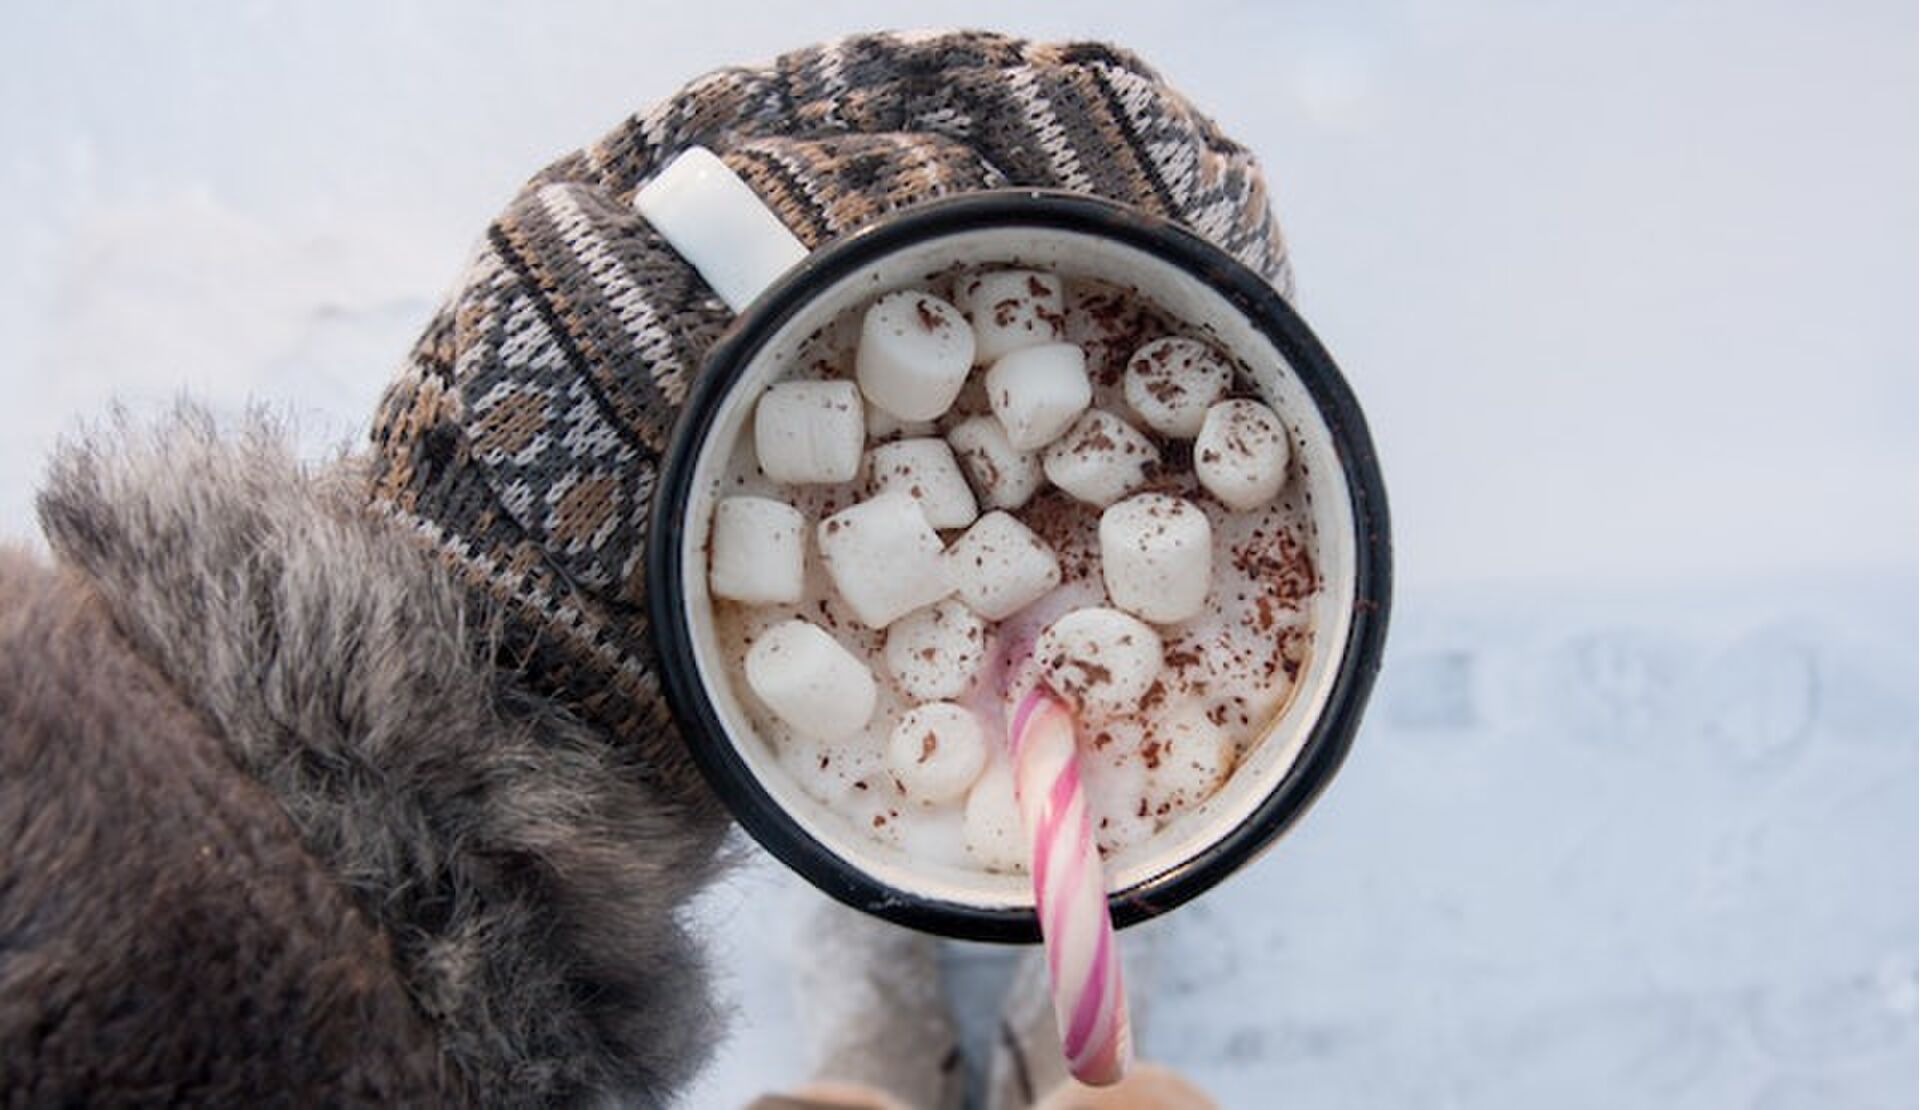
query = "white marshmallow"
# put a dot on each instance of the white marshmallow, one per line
(828, 771)
(999, 566)
(914, 354)
(1038, 392)
(990, 826)
(1156, 554)
(937, 751)
(1101, 459)
(884, 558)
(1011, 309)
(1101, 660)
(757, 550)
(1003, 476)
(1241, 455)
(925, 470)
(810, 431)
(819, 688)
(1172, 382)
(1187, 758)
(934, 653)
(883, 425)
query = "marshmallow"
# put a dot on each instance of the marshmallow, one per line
(1241, 455)
(1011, 309)
(819, 688)
(1003, 476)
(1038, 391)
(1156, 554)
(1101, 459)
(1172, 382)
(990, 826)
(828, 771)
(757, 551)
(925, 470)
(883, 425)
(1101, 660)
(934, 652)
(810, 431)
(884, 558)
(914, 354)
(999, 566)
(1187, 758)
(937, 751)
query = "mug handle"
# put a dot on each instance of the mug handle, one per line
(719, 225)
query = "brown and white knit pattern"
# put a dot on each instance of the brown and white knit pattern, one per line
(522, 439)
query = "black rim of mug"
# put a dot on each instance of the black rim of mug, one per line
(1330, 736)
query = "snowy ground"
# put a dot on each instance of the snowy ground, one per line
(1628, 292)
(1633, 850)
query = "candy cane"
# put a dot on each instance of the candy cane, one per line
(1069, 891)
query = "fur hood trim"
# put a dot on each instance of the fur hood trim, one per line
(526, 874)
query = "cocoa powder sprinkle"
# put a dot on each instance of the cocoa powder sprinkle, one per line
(1273, 569)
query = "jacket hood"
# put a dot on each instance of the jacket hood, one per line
(525, 870)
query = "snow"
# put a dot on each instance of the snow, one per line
(1628, 294)
(1647, 849)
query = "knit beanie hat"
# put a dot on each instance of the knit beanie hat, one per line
(521, 441)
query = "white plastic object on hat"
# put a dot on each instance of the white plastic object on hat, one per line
(999, 567)
(914, 354)
(1038, 392)
(1100, 459)
(1242, 453)
(1100, 660)
(758, 551)
(1003, 476)
(925, 470)
(1156, 555)
(719, 225)
(819, 688)
(1011, 309)
(937, 751)
(809, 431)
(934, 653)
(1172, 382)
(884, 558)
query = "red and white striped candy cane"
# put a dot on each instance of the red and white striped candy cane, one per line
(1069, 891)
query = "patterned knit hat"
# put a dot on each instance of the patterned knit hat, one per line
(521, 441)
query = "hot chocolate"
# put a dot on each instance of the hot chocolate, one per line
(995, 478)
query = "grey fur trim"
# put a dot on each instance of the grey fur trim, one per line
(527, 875)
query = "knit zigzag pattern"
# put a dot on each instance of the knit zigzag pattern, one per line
(521, 441)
